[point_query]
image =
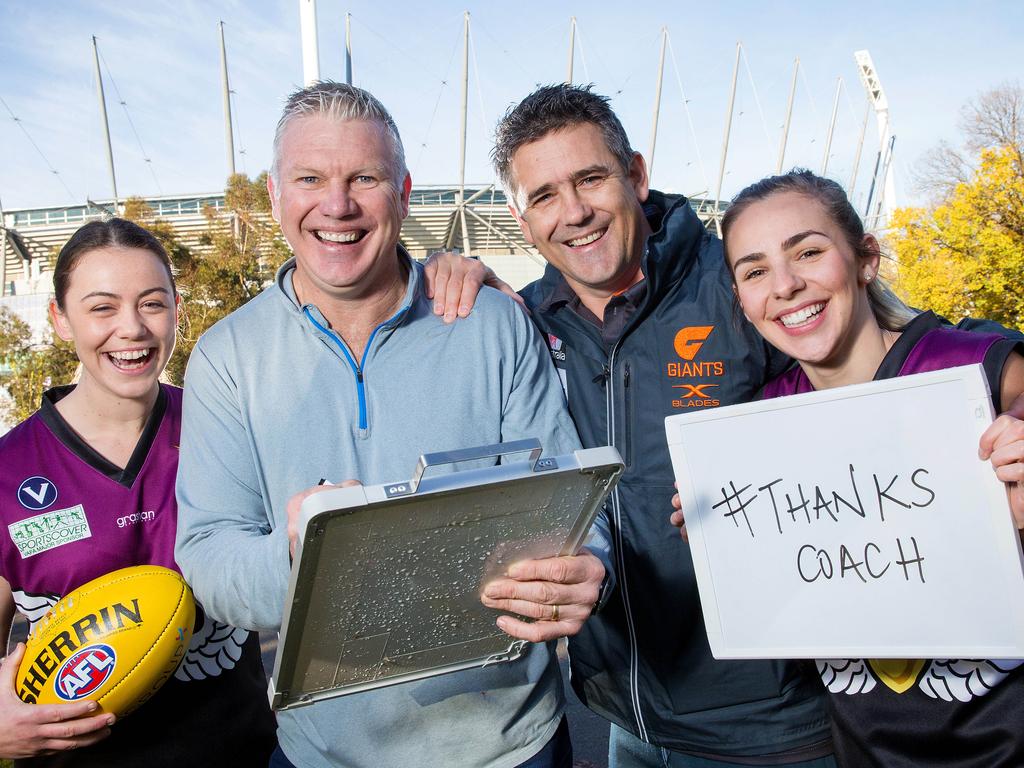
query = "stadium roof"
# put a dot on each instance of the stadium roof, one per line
(480, 225)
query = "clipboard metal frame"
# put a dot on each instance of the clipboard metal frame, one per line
(386, 579)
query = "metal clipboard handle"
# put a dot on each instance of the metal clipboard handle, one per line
(494, 451)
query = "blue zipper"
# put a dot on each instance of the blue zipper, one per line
(357, 368)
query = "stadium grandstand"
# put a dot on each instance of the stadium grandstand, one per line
(476, 221)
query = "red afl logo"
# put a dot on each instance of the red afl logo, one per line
(84, 672)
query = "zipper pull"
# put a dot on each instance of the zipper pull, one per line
(603, 376)
(625, 376)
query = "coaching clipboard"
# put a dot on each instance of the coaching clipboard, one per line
(386, 582)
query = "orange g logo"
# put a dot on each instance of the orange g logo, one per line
(689, 340)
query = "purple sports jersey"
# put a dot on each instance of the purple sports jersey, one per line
(68, 515)
(908, 713)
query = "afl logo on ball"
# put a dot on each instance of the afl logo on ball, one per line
(85, 672)
(37, 493)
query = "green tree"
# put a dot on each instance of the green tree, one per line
(237, 255)
(964, 254)
(26, 369)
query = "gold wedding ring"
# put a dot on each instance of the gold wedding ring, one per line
(554, 613)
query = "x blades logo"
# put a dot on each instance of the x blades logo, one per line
(689, 340)
(693, 390)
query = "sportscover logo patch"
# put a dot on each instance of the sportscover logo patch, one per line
(49, 530)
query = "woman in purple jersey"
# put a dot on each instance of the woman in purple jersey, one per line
(806, 276)
(95, 468)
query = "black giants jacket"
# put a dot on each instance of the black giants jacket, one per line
(644, 662)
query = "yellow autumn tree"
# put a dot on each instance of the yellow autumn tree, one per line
(964, 255)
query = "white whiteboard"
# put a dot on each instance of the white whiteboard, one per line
(906, 547)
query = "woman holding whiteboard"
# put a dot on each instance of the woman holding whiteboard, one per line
(806, 276)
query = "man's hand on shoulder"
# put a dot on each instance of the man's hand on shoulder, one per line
(453, 281)
(558, 593)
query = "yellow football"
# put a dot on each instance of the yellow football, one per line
(114, 641)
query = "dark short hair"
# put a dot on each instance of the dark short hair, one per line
(890, 312)
(552, 108)
(103, 234)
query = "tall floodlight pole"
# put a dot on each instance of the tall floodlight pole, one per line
(886, 169)
(831, 126)
(789, 116)
(348, 48)
(725, 141)
(860, 147)
(106, 125)
(310, 46)
(657, 103)
(873, 86)
(572, 48)
(229, 138)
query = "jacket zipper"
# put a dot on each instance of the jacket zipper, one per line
(357, 368)
(634, 687)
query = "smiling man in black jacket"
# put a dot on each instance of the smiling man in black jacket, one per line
(638, 310)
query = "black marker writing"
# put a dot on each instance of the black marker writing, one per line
(740, 506)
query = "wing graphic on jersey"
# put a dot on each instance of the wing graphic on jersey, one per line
(845, 675)
(33, 607)
(964, 679)
(215, 647)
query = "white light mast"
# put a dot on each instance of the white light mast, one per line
(310, 48)
(876, 96)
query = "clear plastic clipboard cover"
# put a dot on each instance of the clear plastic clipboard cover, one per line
(385, 586)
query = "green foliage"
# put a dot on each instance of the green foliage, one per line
(26, 369)
(238, 255)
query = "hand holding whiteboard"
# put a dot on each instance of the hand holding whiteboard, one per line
(854, 522)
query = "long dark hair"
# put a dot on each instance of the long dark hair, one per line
(890, 312)
(103, 234)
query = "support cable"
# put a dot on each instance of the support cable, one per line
(498, 45)
(810, 98)
(689, 117)
(35, 146)
(646, 43)
(424, 66)
(583, 56)
(757, 101)
(131, 123)
(437, 103)
(237, 123)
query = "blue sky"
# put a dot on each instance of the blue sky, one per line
(162, 59)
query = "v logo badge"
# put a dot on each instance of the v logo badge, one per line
(37, 495)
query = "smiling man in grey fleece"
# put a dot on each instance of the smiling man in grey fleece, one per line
(336, 370)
